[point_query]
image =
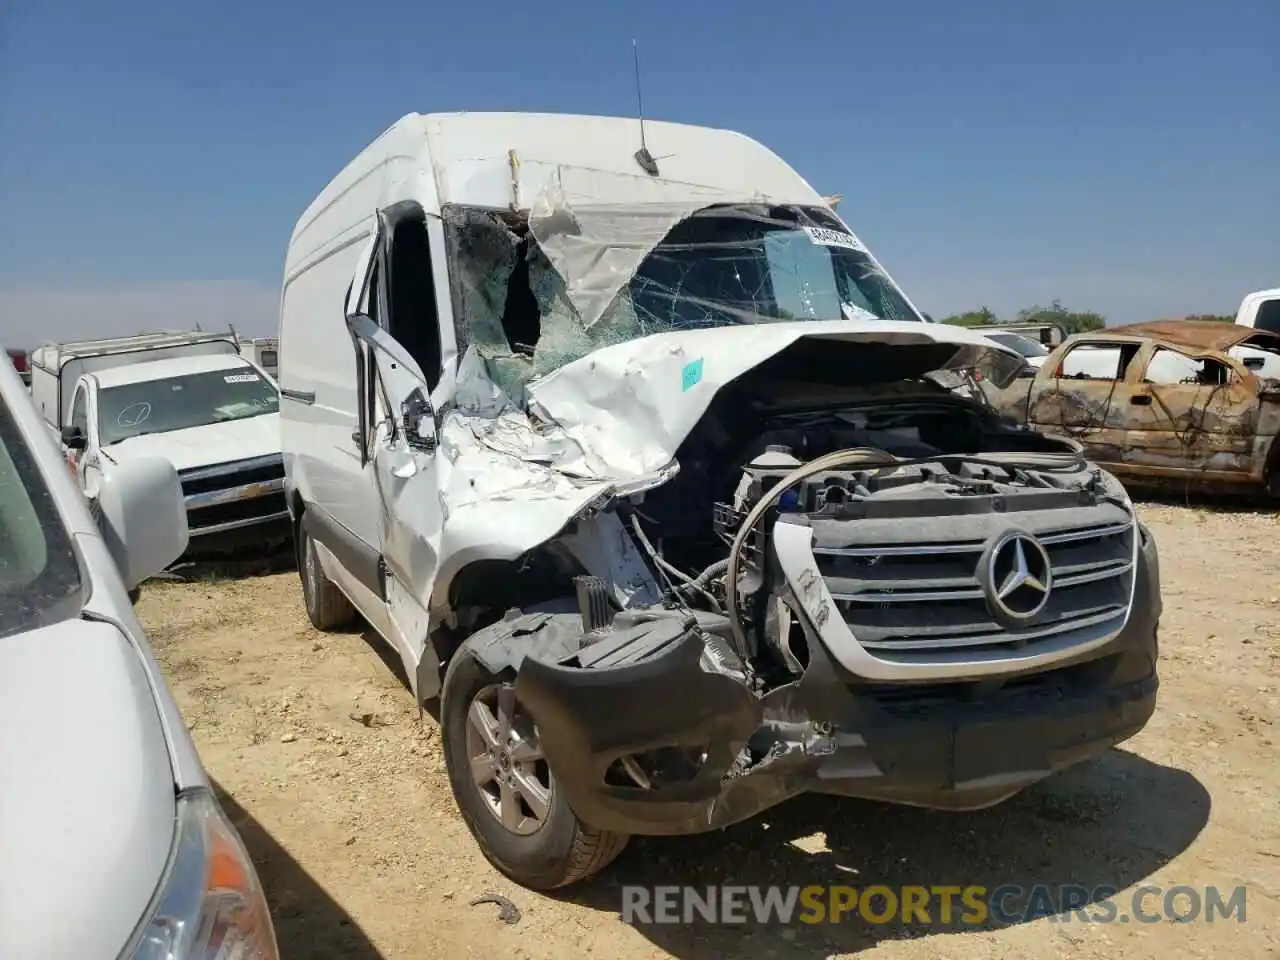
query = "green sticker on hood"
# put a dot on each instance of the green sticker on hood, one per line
(691, 375)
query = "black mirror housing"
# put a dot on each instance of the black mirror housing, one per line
(419, 422)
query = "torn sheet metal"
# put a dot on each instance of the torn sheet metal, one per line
(1208, 336)
(628, 407)
(595, 228)
(488, 490)
(593, 341)
(608, 425)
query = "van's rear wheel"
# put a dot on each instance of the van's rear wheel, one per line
(504, 789)
(327, 606)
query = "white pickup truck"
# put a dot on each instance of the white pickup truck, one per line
(1260, 309)
(189, 398)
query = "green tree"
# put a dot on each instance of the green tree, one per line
(1215, 317)
(972, 318)
(1071, 321)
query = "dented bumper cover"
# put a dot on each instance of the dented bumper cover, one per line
(946, 746)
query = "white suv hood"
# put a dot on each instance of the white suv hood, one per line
(205, 446)
(87, 813)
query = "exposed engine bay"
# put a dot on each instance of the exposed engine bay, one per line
(894, 460)
(903, 496)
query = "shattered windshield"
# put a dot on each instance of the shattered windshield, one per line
(729, 265)
(533, 296)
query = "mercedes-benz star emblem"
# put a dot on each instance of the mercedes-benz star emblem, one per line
(1017, 577)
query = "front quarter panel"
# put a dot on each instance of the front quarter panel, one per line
(109, 603)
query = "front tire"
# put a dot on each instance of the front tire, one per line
(327, 607)
(504, 789)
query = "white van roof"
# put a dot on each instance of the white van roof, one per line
(467, 159)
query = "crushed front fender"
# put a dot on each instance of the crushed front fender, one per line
(590, 719)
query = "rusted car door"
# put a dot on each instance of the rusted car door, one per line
(1075, 395)
(1190, 413)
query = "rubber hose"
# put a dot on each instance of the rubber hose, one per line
(828, 462)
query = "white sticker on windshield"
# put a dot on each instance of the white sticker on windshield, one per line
(242, 378)
(824, 237)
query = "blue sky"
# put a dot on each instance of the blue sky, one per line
(1121, 156)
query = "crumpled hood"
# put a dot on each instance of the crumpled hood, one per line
(605, 425)
(628, 406)
(205, 446)
(87, 815)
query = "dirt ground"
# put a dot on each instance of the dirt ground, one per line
(340, 792)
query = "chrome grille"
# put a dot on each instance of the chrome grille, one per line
(905, 601)
(232, 495)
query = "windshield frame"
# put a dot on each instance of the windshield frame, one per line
(57, 591)
(109, 411)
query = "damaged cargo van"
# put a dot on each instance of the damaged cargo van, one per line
(650, 473)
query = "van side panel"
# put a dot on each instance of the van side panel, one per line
(318, 403)
(317, 364)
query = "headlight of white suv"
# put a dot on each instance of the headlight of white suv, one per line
(210, 904)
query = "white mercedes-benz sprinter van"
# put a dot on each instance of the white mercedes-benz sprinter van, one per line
(649, 471)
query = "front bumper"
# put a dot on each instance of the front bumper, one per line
(938, 745)
(236, 507)
(258, 534)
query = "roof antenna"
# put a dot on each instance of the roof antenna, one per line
(642, 156)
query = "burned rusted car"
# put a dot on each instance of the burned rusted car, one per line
(1185, 403)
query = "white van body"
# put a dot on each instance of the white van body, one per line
(508, 342)
(501, 162)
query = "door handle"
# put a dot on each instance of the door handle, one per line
(1141, 400)
(355, 438)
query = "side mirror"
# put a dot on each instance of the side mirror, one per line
(74, 439)
(419, 422)
(143, 517)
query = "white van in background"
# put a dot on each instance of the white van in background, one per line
(264, 352)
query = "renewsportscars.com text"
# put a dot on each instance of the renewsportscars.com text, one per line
(922, 906)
